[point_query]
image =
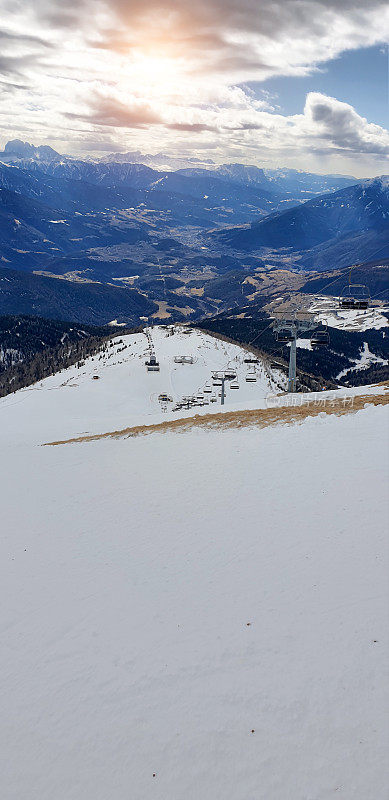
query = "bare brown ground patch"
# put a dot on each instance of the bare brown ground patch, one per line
(259, 417)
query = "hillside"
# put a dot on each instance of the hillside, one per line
(92, 303)
(166, 233)
(116, 380)
(32, 348)
(349, 224)
(357, 352)
(187, 609)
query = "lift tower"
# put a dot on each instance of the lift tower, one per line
(287, 330)
(219, 379)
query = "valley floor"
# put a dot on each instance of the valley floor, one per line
(201, 615)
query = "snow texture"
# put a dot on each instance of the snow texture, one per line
(365, 360)
(197, 615)
(326, 311)
(73, 402)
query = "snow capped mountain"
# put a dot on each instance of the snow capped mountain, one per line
(350, 225)
(381, 183)
(295, 182)
(199, 612)
(16, 149)
(105, 174)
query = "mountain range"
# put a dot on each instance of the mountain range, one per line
(179, 242)
(347, 225)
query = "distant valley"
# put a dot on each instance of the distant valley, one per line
(118, 239)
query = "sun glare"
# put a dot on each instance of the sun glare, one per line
(156, 75)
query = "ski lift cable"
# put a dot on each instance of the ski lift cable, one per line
(348, 269)
(378, 293)
(340, 272)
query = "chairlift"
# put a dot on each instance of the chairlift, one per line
(284, 336)
(251, 360)
(229, 376)
(207, 389)
(320, 338)
(183, 359)
(234, 385)
(152, 365)
(354, 296)
(217, 382)
(213, 399)
(251, 377)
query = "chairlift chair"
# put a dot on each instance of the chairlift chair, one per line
(355, 296)
(320, 338)
(251, 377)
(152, 365)
(284, 336)
(361, 303)
(234, 385)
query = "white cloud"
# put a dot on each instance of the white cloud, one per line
(95, 70)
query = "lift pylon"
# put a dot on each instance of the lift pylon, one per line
(287, 330)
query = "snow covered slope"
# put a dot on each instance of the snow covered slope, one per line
(196, 616)
(115, 389)
(326, 310)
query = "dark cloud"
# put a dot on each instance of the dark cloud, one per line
(340, 124)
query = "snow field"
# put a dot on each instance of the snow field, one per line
(193, 615)
(326, 311)
(72, 402)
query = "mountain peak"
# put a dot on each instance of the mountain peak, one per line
(248, 173)
(15, 148)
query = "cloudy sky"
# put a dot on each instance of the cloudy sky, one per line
(301, 83)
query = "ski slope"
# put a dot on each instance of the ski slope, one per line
(115, 388)
(193, 615)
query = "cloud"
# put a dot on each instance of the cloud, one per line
(192, 127)
(340, 124)
(21, 39)
(9, 86)
(21, 52)
(111, 112)
(17, 65)
(166, 73)
(241, 39)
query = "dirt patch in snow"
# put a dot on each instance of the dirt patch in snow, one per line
(259, 418)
